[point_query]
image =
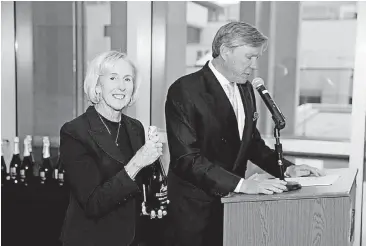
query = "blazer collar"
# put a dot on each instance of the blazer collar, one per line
(221, 106)
(101, 136)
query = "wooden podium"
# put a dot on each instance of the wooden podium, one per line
(314, 215)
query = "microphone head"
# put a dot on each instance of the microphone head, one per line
(257, 82)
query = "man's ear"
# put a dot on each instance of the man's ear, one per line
(224, 51)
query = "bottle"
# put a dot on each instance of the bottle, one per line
(155, 188)
(61, 174)
(45, 171)
(15, 163)
(4, 173)
(26, 168)
(29, 137)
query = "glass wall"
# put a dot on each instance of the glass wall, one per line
(326, 64)
(102, 27)
(53, 41)
(307, 67)
(45, 70)
(320, 67)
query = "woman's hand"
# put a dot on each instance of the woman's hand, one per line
(147, 154)
(152, 149)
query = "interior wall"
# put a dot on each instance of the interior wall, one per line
(8, 93)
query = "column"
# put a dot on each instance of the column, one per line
(118, 28)
(169, 40)
(139, 51)
(358, 144)
(262, 22)
(278, 66)
(283, 65)
(8, 86)
(247, 12)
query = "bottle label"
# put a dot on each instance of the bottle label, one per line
(22, 174)
(163, 194)
(61, 176)
(42, 174)
(13, 172)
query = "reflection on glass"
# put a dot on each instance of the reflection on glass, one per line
(97, 31)
(326, 70)
(203, 21)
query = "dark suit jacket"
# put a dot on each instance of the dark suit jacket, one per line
(207, 157)
(102, 209)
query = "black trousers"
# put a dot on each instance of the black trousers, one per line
(150, 232)
(183, 235)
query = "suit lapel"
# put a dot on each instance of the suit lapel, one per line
(101, 136)
(220, 105)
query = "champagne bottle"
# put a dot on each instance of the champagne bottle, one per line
(45, 171)
(15, 163)
(155, 188)
(61, 174)
(4, 173)
(56, 169)
(26, 169)
(29, 137)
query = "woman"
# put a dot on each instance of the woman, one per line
(102, 151)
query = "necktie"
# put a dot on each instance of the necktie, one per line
(232, 98)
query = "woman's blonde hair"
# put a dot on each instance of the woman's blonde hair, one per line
(99, 65)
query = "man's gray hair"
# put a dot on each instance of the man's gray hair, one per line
(236, 34)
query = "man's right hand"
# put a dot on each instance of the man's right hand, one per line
(266, 186)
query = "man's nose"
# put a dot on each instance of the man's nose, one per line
(253, 64)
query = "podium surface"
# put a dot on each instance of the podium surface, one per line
(313, 215)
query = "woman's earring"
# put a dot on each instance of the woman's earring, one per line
(98, 96)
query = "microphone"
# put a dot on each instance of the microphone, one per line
(277, 116)
(279, 120)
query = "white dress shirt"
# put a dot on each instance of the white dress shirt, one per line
(241, 114)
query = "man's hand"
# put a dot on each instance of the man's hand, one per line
(303, 170)
(266, 186)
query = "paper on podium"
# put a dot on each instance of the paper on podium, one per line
(315, 181)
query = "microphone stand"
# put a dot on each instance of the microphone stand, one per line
(278, 148)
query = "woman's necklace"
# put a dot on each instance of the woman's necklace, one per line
(119, 125)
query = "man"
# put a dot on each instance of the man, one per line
(211, 127)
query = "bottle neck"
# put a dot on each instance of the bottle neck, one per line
(26, 150)
(46, 151)
(60, 167)
(16, 148)
(159, 165)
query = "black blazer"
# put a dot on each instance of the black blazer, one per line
(102, 209)
(207, 157)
